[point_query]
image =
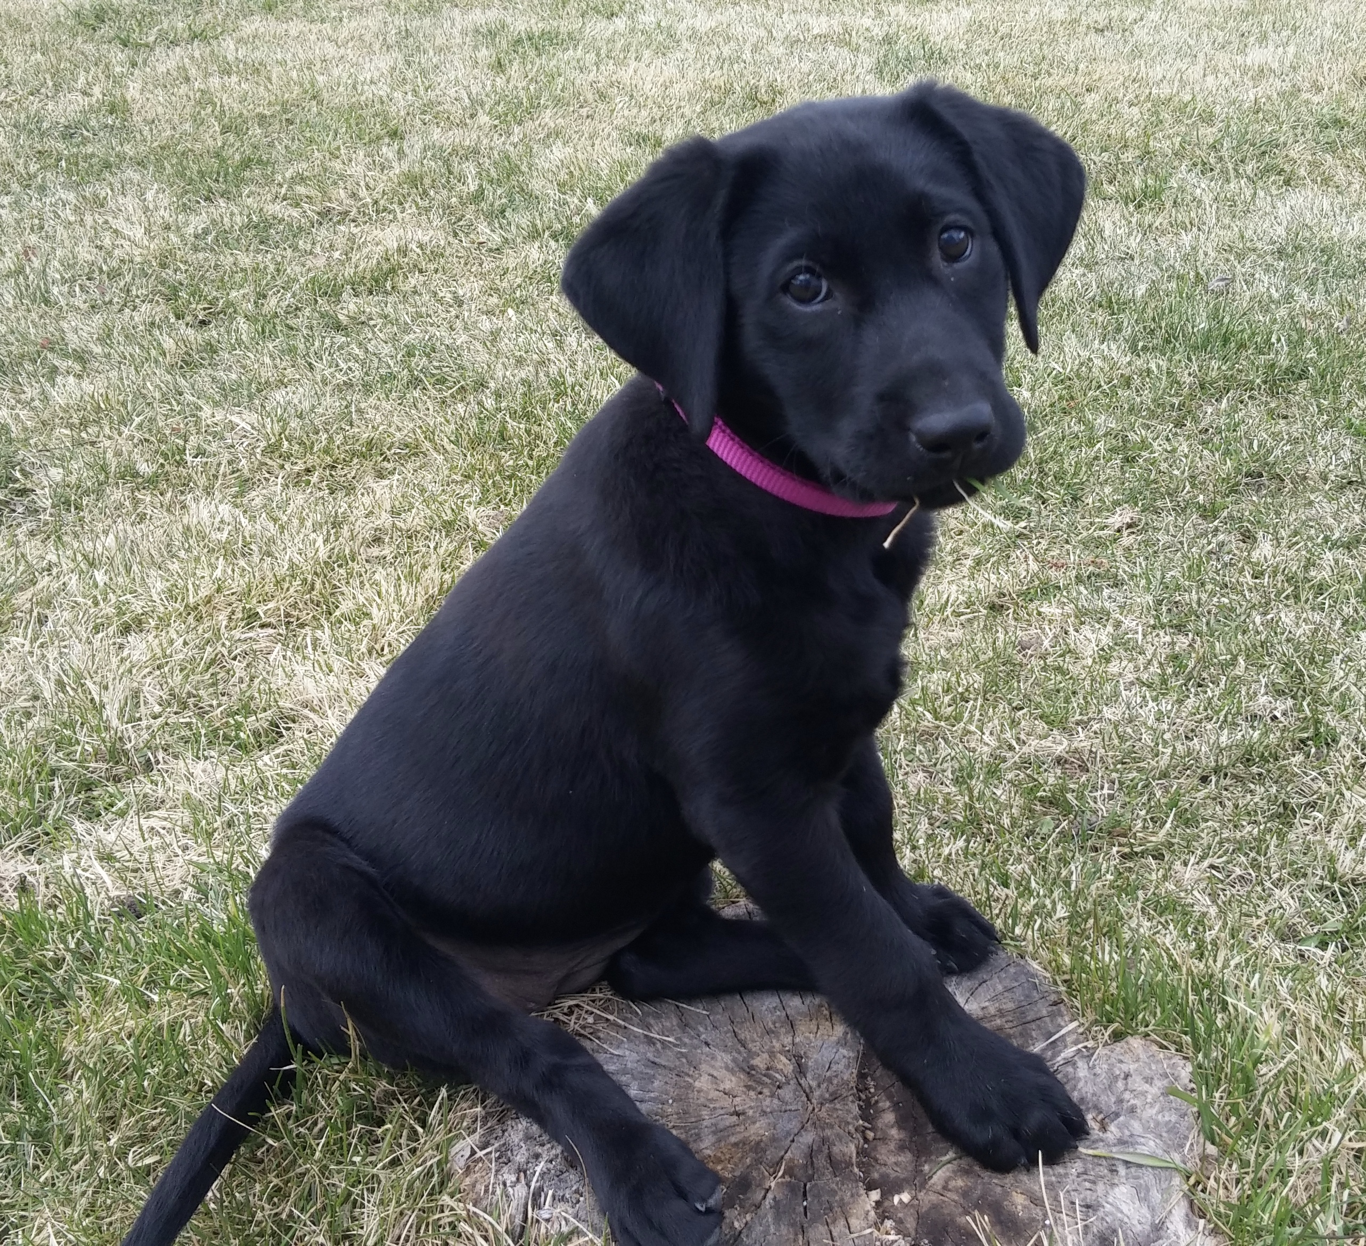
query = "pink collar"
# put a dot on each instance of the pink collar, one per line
(781, 483)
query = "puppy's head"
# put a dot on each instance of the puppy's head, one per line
(834, 281)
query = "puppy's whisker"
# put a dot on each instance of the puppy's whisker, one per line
(905, 519)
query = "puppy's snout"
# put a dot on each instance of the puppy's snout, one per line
(955, 433)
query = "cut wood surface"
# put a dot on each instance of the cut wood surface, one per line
(818, 1144)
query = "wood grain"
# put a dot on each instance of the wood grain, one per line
(818, 1144)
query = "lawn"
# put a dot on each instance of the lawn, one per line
(281, 352)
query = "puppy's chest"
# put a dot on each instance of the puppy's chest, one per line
(846, 671)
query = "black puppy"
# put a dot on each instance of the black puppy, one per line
(662, 663)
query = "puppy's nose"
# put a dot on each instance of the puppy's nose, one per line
(954, 433)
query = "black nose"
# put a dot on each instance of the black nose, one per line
(954, 433)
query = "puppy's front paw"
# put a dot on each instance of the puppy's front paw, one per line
(960, 936)
(1001, 1105)
(656, 1192)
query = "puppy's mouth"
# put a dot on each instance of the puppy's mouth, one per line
(900, 450)
(959, 489)
(936, 495)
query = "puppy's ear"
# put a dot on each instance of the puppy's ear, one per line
(1031, 183)
(649, 276)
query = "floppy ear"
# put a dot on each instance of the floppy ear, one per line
(1030, 181)
(649, 276)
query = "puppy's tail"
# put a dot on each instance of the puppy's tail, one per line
(266, 1070)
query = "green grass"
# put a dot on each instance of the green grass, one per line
(281, 352)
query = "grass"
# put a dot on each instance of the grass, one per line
(281, 352)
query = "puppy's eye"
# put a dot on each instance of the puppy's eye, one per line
(955, 243)
(807, 287)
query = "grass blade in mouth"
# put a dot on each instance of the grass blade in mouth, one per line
(1004, 524)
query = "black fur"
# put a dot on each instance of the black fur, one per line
(267, 1069)
(659, 664)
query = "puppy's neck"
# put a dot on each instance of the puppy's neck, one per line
(756, 420)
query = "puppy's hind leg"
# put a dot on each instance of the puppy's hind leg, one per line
(692, 951)
(324, 921)
(959, 935)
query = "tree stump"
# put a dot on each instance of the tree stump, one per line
(818, 1144)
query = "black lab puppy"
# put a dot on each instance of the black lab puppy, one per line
(663, 662)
